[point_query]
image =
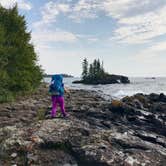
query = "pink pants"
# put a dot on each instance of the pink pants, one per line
(58, 100)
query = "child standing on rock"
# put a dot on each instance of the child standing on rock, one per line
(56, 90)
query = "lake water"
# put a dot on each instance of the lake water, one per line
(118, 91)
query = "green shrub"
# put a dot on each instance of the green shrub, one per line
(6, 96)
(41, 114)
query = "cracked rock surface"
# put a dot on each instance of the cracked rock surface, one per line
(130, 132)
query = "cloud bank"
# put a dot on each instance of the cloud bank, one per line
(22, 4)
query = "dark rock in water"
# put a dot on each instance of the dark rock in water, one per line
(157, 97)
(131, 131)
(124, 79)
(162, 97)
(158, 107)
(154, 97)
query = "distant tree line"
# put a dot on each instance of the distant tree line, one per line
(19, 72)
(64, 75)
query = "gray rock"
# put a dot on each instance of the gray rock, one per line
(126, 132)
(14, 155)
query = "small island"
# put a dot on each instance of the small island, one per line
(95, 74)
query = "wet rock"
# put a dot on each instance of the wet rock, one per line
(154, 97)
(32, 158)
(158, 107)
(97, 132)
(162, 97)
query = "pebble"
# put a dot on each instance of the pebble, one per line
(14, 155)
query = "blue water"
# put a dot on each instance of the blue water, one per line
(118, 91)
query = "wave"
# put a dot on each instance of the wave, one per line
(118, 91)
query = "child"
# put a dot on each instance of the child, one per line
(56, 90)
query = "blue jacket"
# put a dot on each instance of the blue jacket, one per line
(57, 87)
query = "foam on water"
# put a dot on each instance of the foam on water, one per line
(118, 91)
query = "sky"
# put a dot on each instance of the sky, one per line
(128, 35)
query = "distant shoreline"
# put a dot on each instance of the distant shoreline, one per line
(64, 75)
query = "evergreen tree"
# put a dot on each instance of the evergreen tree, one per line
(18, 69)
(98, 68)
(102, 68)
(91, 71)
(94, 73)
(95, 68)
(85, 69)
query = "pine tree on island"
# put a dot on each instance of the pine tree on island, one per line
(85, 69)
(94, 73)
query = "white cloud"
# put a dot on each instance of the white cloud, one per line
(152, 51)
(142, 28)
(85, 9)
(50, 11)
(118, 8)
(87, 38)
(159, 47)
(136, 21)
(89, 9)
(93, 39)
(45, 37)
(22, 4)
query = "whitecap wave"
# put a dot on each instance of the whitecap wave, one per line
(118, 91)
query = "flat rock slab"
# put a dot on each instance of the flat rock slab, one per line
(97, 132)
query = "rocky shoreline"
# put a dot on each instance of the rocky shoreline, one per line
(130, 132)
